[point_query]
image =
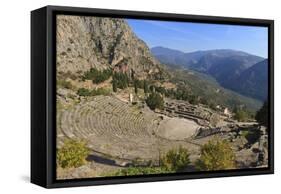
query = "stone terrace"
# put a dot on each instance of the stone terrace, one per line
(187, 111)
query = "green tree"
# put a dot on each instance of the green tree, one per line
(176, 159)
(216, 155)
(114, 85)
(83, 92)
(193, 99)
(122, 80)
(73, 153)
(242, 114)
(262, 114)
(97, 76)
(139, 83)
(151, 88)
(136, 86)
(155, 100)
(145, 86)
(161, 90)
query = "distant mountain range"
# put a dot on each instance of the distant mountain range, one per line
(253, 81)
(236, 70)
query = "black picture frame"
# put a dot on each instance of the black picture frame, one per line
(43, 99)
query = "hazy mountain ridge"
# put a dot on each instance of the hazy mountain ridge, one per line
(176, 57)
(252, 81)
(225, 65)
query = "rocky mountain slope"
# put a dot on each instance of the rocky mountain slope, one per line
(252, 82)
(85, 42)
(205, 86)
(169, 56)
(228, 67)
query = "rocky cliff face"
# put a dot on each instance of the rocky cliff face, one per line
(85, 42)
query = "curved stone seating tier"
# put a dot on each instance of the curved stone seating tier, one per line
(60, 135)
(112, 127)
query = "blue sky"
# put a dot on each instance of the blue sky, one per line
(189, 37)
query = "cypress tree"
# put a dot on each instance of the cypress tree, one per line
(136, 86)
(114, 85)
(145, 86)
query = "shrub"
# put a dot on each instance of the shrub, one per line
(72, 154)
(241, 115)
(193, 99)
(100, 91)
(216, 155)
(83, 92)
(175, 159)
(94, 92)
(262, 115)
(154, 101)
(180, 94)
(152, 88)
(212, 105)
(160, 90)
(71, 96)
(97, 76)
(121, 80)
(139, 83)
(65, 84)
(139, 171)
(252, 136)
